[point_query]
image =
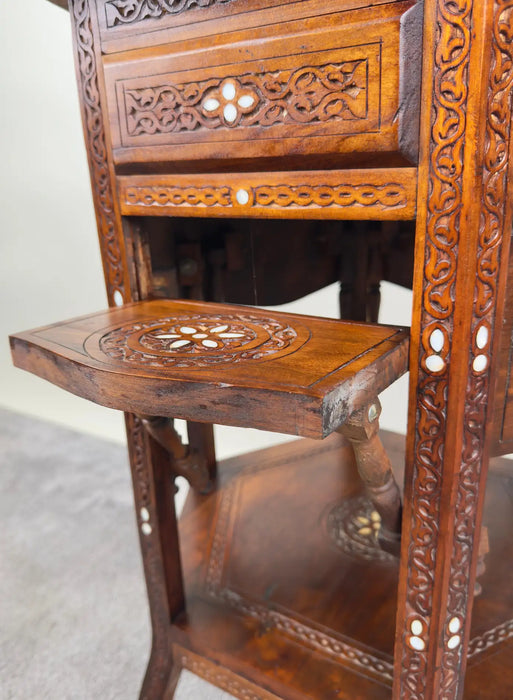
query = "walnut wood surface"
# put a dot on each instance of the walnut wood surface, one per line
(307, 612)
(282, 372)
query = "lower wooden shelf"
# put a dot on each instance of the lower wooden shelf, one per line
(288, 595)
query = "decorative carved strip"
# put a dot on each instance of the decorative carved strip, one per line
(178, 196)
(389, 195)
(368, 196)
(119, 12)
(452, 40)
(491, 638)
(335, 91)
(221, 677)
(491, 233)
(97, 150)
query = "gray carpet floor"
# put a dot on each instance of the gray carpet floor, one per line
(73, 615)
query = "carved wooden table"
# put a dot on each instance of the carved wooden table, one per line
(204, 121)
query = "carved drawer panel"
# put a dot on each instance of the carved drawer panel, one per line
(330, 89)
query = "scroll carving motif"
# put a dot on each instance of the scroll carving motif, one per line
(119, 12)
(491, 233)
(452, 41)
(95, 135)
(335, 91)
(195, 342)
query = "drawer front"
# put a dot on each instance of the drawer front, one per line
(318, 92)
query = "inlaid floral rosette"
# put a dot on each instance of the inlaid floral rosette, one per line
(199, 341)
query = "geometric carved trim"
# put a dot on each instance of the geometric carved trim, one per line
(220, 677)
(335, 91)
(119, 12)
(92, 112)
(491, 638)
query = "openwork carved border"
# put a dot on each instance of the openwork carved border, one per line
(369, 196)
(491, 232)
(95, 135)
(452, 52)
(491, 638)
(124, 12)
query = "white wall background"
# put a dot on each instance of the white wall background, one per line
(49, 258)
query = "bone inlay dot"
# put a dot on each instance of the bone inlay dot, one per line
(373, 413)
(187, 330)
(245, 101)
(146, 529)
(145, 515)
(435, 363)
(480, 363)
(210, 105)
(482, 337)
(454, 641)
(118, 298)
(228, 91)
(454, 625)
(230, 112)
(417, 643)
(416, 627)
(436, 340)
(209, 343)
(242, 196)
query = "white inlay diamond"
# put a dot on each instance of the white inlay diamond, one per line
(417, 627)
(198, 336)
(228, 91)
(454, 625)
(118, 298)
(219, 329)
(188, 330)
(480, 363)
(211, 104)
(230, 112)
(209, 343)
(242, 196)
(417, 643)
(436, 340)
(435, 363)
(482, 337)
(179, 343)
(454, 641)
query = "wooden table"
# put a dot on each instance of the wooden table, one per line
(211, 122)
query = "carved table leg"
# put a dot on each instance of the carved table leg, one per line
(156, 518)
(376, 472)
(464, 220)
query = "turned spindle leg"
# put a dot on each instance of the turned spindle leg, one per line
(361, 429)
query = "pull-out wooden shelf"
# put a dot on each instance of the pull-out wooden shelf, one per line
(219, 363)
